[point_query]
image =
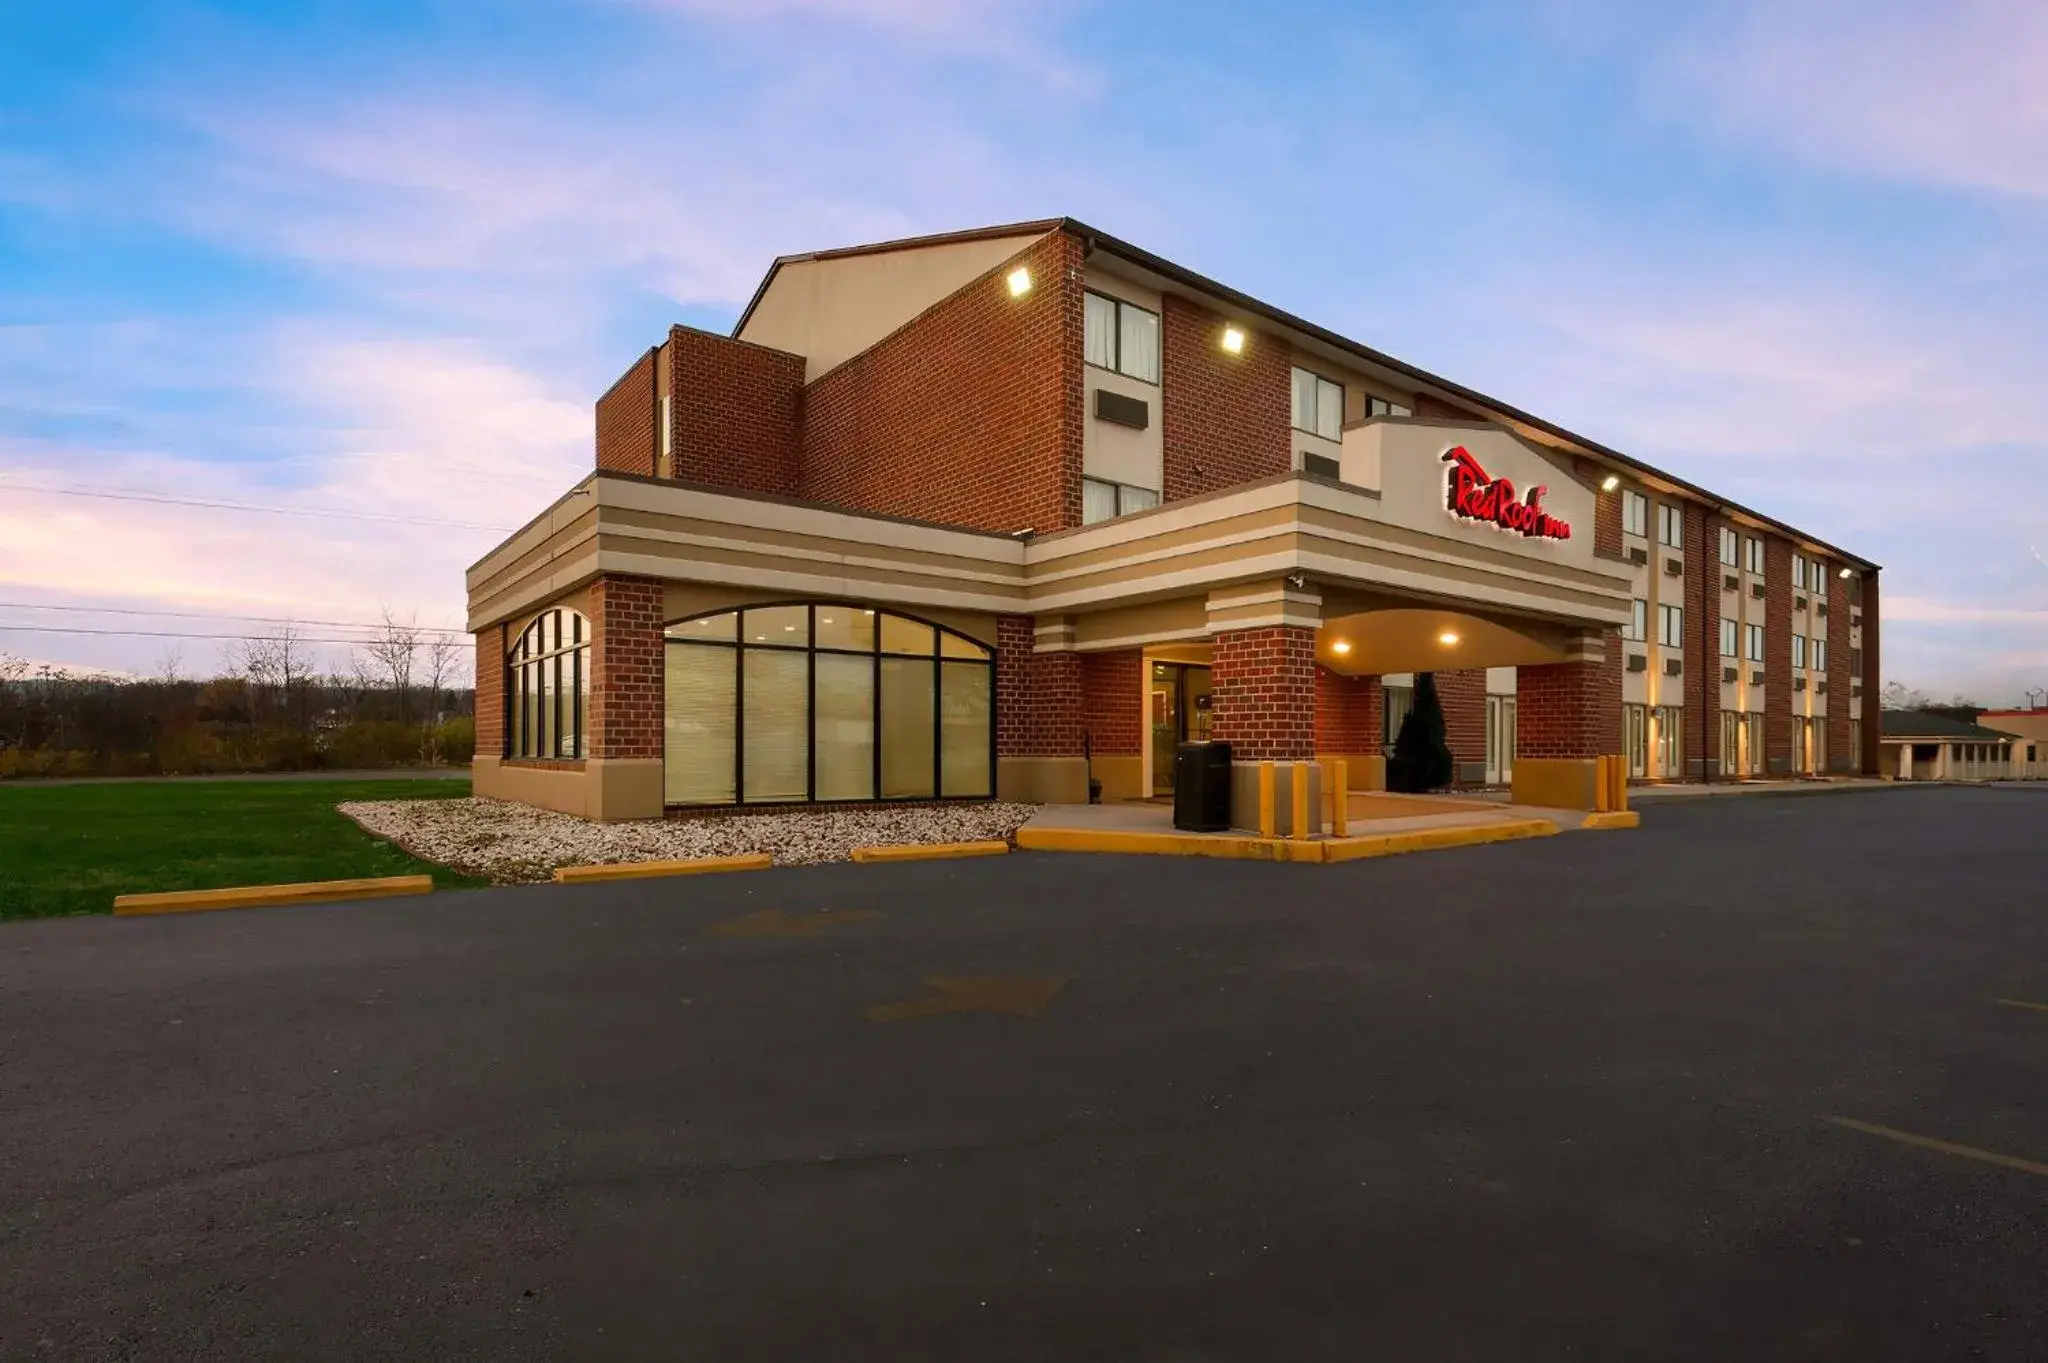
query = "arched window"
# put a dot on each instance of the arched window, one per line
(825, 701)
(548, 686)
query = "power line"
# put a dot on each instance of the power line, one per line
(225, 616)
(164, 634)
(165, 499)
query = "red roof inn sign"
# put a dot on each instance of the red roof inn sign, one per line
(1473, 494)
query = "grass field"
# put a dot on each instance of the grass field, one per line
(71, 849)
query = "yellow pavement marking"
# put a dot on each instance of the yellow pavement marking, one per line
(264, 896)
(776, 923)
(1013, 994)
(2025, 1166)
(2022, 1003)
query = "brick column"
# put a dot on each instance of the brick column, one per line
(490, 692)
(1777, 656)
(623, 765)
(1112, 716)
(1841, 703)
(1350, 714)
(1463, 693)
(1873, 680)
(1038, 717)
(1566, 715)
(1702, 653)
(1262, 683)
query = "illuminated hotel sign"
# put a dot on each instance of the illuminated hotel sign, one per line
(1473, 494)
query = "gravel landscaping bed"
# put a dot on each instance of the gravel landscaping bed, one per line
(513, 844)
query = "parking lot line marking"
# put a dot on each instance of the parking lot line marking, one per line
(776, 923)
(2025, 1166)
(2022, 1003)
(1016, 995)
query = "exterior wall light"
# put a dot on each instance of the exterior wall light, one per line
(1448, 638)
(1233, 340)
(1020, 282)
(1610, 482)
(1846, 574)
(1341, 647)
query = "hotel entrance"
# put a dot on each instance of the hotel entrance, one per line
(1178, 706)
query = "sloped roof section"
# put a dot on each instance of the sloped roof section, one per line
(1920, 724)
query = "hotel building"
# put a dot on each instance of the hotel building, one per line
(1013, 511)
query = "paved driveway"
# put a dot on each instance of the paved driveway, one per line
(1559, 1099)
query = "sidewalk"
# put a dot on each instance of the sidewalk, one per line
(1841, 785)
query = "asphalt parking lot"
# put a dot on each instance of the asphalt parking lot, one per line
(1655, 1095)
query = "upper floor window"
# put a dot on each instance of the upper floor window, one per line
(1753, 642)
(1635, 514)
(1638, 626)
(1122, 336)
(1820, 578)
(1381, 407)
(1671, 626)
(1671, 525)
(1800, 577)
(1727, 637)
(549, 675)
(1799, 651)
(1318, 405)
(1754, 548)
(1102, 500)
(1729, 546)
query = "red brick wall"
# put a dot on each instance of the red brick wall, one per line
(491, 647)
(1570, 710)
(1606, 512)
(1873, 679)
(1463, 695)
(737, 412)
(625, 421)
(1702, 653)
(1113, 700)
(1263, 692)
(1777, 656)
(969, 414)
(1038, 695)
(625, 668)
(1224, 417)
(1349, 713)
(1841, 705)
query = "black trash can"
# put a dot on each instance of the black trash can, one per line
(1201, 787)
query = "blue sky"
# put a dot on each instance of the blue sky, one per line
(376, 259)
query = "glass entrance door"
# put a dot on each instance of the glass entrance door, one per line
(1178, 706)
(1500, 740)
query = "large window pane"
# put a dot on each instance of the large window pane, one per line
(959, 646)
(906, 636)
(846, 627)
(1304, 400)
(546, 731)
(1138, 343)
(789, 626)
(907, 737)
(724, 626)
(701, 700)
(963, 728)
(1329, 409)
(846, 726)
(778, 723)
(1098, 501)
(1100, 328)
(582, 656)
(1131, 499)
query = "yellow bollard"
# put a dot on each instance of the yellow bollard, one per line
(1266, 811)
(1620, 784)
(1305, 819)
(1603, 784)
(1340, 798)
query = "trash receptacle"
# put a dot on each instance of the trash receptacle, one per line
(1201, 787)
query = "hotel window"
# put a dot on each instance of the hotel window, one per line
(1727, 638)
(1671, 525)
(1102, 500)
(1318, 405)
(1754, 549)
(1395, 703)
(1729, 546)
(1753, 642)
(1820, 655)
(1799, 576)
(1820, 579)
(1635, 739)
(548, 672)
(1798, 652)
(1122, 336)
(824, 701)
(1635, 514)
(1638, 626)
(1671, 626)
(1381, 407)
(1670, 748)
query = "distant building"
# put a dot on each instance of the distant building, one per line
(1922, 746)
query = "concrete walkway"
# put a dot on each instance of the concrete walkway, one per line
(1725, 790)
(1371, 813)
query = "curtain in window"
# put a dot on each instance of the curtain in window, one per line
(1098, 501)
(1138, 342)
(1100, 331)
(1329, 409)
(1131, 499)
(1304, 400)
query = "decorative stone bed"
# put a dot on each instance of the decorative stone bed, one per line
(511, 844)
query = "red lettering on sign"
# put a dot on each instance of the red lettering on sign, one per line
(1476, 495)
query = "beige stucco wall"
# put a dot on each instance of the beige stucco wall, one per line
(830, 310)
(1108, 450)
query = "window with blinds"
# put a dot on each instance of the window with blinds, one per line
(825, 701)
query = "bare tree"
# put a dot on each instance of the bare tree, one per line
(395, 649)
(280, 659)
(170, 667)
(444, 654)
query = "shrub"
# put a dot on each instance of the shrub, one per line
(1422, 753)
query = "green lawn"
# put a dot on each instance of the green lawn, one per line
(71, 849)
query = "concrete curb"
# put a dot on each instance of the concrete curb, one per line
(1431, 839)
(1319, 851)
(1649, 795)
(1614, 818)
(928, 851)
(648, 870)
(268, 896)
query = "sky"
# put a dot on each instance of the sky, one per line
(374, 260)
